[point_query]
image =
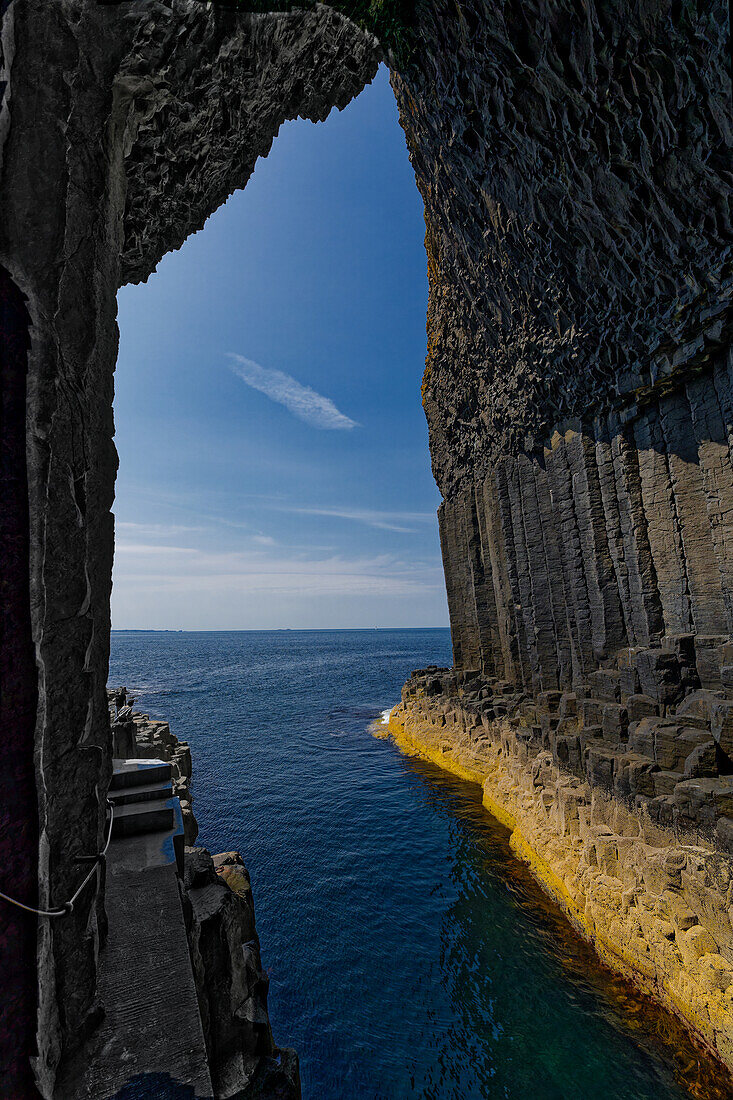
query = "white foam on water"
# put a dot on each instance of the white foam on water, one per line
(385, 717)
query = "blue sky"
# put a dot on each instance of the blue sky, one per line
(274, 466)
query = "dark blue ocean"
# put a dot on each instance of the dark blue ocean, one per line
(409, 954)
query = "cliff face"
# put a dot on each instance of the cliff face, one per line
(231, 983)
(577, 385)
(579, 395)
(574, 162)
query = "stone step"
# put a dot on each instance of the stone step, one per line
(145, 792)
(144, 817)
(163, 847)
(137, 772)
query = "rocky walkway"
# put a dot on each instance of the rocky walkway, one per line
(151, 1038)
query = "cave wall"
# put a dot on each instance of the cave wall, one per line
(18, 692)
(121, 128)
(615, 536)
(575, 164)
(574, 161)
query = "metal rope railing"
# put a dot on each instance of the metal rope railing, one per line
(68, 906)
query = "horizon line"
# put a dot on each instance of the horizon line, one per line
(257, 629)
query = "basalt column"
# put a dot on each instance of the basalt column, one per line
(575, 163)
(575, 166)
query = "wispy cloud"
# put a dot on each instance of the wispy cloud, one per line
(215, 587)
(301, 401)
(191, 568)
(153, 530)
(384, 521)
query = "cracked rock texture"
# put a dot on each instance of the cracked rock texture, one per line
(137, 735)
(230, 981)
(121, 128)
(574, 160)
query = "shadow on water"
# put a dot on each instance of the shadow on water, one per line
(541, 982)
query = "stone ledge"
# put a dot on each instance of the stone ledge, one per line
(654, 901)
(137, 734)
(654, 729)
(218, 912)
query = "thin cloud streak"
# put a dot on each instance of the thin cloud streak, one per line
(155, 530)
(301, 401)
(384, 521)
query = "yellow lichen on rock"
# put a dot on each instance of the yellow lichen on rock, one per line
(657, 909)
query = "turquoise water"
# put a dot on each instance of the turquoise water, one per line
(409, 954)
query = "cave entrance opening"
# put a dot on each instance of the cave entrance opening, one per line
(274, 467)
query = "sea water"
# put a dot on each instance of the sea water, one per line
(409, 953)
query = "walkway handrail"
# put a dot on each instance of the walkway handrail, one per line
(68, 906)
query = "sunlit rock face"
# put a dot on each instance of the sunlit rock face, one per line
(653, 901)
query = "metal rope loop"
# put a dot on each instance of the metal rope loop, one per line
(68, 906)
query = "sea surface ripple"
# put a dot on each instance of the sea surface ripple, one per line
(409, 954)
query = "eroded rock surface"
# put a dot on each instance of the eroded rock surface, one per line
(575, 167)
(122, 127)
(231, 982)
(136, 734)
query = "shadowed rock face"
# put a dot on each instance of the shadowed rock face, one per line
(575, 167)
(18, 689)
(231, 982)
(209, 91)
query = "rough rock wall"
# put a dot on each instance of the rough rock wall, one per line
(18, 694)
(59, 244)
(575, 164)
(617, 535)
(578, 379)
(211, 91)
(230, 981)
(574, 160)
(202, 93)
